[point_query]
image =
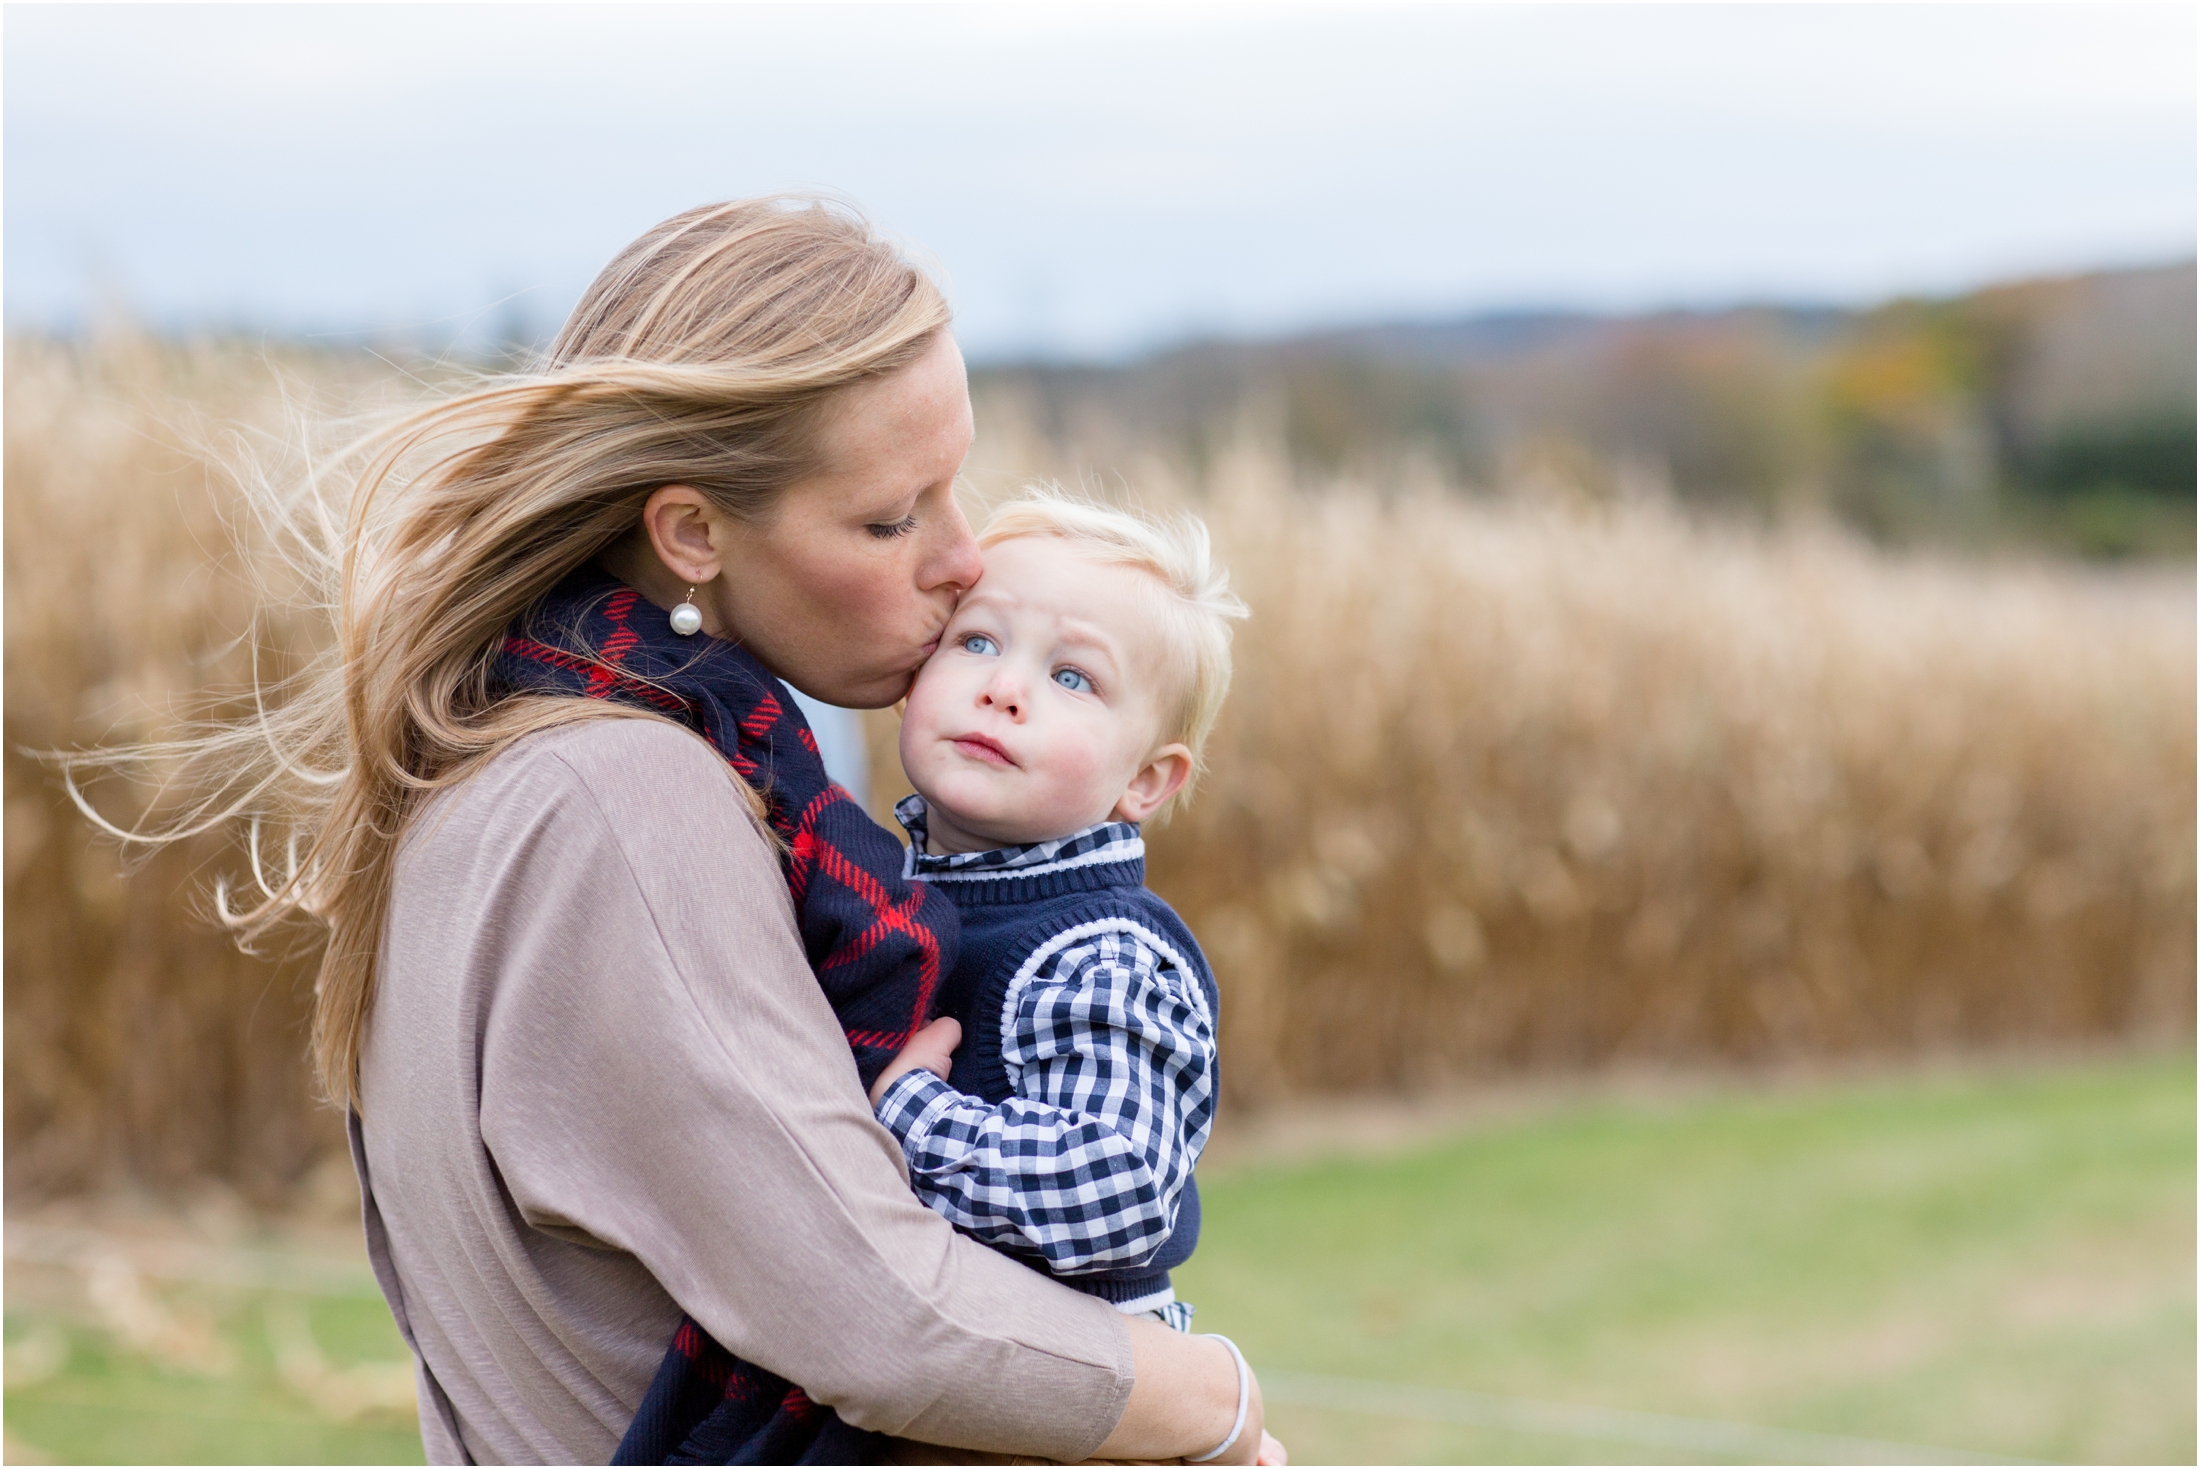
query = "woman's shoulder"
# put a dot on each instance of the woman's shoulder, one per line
(615, 749)
(618, 778)
(608, 837)
(622, 759)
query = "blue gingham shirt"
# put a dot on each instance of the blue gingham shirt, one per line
(1111, 1051)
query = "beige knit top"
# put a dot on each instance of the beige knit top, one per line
(600, 1086)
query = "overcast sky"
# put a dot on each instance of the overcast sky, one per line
(1090, 182)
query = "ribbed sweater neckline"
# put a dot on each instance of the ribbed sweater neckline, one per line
(1027, 884)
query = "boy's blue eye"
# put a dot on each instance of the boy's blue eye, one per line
(1070, 678)
(980, 644)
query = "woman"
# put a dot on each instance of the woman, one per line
(593, 1080)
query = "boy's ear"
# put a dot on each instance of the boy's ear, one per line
(1163, 776)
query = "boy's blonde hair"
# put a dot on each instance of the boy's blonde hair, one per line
(1196, 602)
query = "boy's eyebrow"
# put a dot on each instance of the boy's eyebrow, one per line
(981, 594)
(1075, 632)
(978, 603)
(1078, 633)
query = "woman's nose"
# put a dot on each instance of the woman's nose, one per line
(955, 565)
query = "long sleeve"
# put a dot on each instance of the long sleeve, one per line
(1111, 1052)
(659, 1077)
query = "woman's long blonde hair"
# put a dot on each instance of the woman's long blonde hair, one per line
(701, 356)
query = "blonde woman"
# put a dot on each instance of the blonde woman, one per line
(568, 995)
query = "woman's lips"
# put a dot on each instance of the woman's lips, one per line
(978, 747)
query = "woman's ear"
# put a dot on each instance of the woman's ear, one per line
(1162, 776)
(687, 533)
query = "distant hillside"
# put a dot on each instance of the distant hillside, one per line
(1502, 335)
(2055, 411)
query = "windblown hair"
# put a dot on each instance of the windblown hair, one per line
(703, 355)
(1194, 599)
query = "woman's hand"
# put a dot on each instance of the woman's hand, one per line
(1184, 1397)
(1272, 1450)
(930, 1049)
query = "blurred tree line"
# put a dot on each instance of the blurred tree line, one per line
(2054, 414)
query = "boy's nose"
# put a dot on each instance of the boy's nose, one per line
(1005, 694)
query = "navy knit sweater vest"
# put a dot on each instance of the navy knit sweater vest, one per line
(1006, 920)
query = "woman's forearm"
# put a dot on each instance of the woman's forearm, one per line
(1184, 1400)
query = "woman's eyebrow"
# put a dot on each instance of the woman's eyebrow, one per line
(883, 507)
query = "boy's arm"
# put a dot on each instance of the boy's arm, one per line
(1111, 1050)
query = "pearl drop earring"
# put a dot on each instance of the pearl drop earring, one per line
(687, 618)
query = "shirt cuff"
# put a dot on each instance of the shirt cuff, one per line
(913, 1102)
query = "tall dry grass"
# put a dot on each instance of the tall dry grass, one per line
(1541, 780)
(1510, 782)
(141, 1047)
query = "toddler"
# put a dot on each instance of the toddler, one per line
(1056, 1108)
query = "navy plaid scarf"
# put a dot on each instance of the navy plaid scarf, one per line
(878, 942)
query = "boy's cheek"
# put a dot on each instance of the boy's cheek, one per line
(923, 692)
(1075, 781)
(928, 767)
(920, 717)
(911, 745)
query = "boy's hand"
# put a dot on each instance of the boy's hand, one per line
(930, 1049)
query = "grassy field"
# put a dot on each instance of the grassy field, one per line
(1996, 1262)
(81, 1392)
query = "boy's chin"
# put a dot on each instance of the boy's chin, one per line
(980, 826)
(976, 832)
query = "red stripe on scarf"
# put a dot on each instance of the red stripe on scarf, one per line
(602, 682)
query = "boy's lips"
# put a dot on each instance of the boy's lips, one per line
(978, 747)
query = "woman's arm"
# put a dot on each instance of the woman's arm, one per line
(661, 1075)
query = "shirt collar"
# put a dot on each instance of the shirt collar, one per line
(1103, 841)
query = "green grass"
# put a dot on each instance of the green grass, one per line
(107, 1404)
(1999, 1262)
(1996, 1262)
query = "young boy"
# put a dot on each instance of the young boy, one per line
(1056, 1108)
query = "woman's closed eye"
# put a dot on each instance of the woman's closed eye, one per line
(891, 529)
(1073, 679)
(980, 644)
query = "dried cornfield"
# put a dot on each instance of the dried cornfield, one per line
(1540, 779)
(1506, 781)
(141, 1046)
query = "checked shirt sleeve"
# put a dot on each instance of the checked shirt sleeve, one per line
(1112, 1052)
